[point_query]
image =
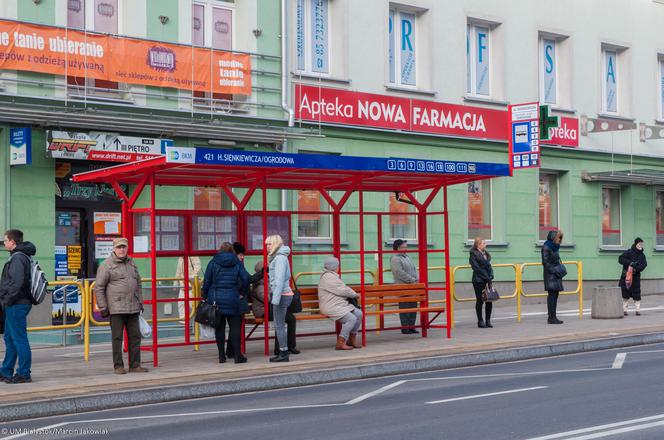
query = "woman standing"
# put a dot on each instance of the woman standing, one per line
(282, 295)
(636, 259)
(554, 271)
(226, 283)
(480, 261)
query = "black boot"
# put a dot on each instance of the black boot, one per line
(281, 357)
(481, 323)
(555, 308)
(220, 347)
(553, 319)
(489, 308)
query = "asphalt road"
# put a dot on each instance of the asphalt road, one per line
(594, 395)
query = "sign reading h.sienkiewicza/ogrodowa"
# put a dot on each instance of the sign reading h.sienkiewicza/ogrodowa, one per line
(107, 147)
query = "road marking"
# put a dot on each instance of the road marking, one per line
(374, 393)
(525, 373)
(477, 396)
(619, 361)
(609, 427)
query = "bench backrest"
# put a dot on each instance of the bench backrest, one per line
(374, 294)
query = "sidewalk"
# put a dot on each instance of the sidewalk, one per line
(60, 373)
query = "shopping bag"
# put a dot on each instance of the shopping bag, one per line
(146, 330)
(207, 332)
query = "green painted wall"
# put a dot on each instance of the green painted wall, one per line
(43, 13)
(269, 43)
(168, 32)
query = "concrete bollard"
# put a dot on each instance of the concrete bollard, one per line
(607, 303)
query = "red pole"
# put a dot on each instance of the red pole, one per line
(381, 307)
(187, 246)
(266, 280)
(362, 279)
(424, 264)
(448, 299)
(153, 271)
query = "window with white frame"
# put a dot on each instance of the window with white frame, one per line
(402, 47)
(548, 204)
(659, 217)
(548, 71)
(610, 78)
(479, 210)
(402, 224)
(660, 78)
(99, 16)
(611, 229)
(312, 36)
(313, 222)
(478, 59)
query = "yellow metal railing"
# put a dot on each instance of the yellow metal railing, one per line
(579, 287)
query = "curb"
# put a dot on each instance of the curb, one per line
(123, 399)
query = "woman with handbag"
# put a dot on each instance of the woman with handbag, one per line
(334, 298)
(633, 262)
(226, 285)
(280, 291)
(554, 271)
(480, 261)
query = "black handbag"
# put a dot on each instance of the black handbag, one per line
(296, 304)
(490, 294)
(353, 302)
(206, 314)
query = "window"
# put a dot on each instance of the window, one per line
(212, 26)
(98, 16)
(313, 224)
(661, 87)
(402, 225)
(312, 39)
(610, 81)
(611, 235)
(659, 221)
(478, 60)
(549, 71)
(548, 204)
(211, 199)
(479, 210)
(402, 48)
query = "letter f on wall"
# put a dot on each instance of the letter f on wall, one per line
(481, 45)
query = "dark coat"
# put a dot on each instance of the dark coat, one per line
(637, 259)
(554, 270)
(482, 270)
(226, 283)
(15, 281)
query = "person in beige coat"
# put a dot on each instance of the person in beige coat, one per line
(118, 292)
(333, 296)
(194, 271)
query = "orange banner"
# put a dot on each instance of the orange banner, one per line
(63, 52)
(308, 201)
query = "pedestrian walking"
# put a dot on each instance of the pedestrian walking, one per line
(633, 262)
(226, 284)
(280, 291)
(15, 300)
(333, 299)
(480, 261)
(554, 272)
(404, 272)
(119, 295)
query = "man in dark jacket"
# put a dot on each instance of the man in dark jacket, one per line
(636, 259)
(15, 299)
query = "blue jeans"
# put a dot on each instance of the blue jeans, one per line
(280, 321)
(16, 341)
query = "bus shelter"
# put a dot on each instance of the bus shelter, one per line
(247, 177)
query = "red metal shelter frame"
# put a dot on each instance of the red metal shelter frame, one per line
(160, 171)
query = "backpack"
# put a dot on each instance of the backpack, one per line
(37, 279)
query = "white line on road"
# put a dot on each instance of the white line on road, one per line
(619, 361)
(374, 393)
(477, 396)
(609, 426)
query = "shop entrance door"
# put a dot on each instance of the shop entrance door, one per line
(70, 245)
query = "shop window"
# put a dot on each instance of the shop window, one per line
(611, 232)
(314, 224)
(98, 16)
(312, 36)
(402, 225)
(478, 60)
(402, 47)
(479, 210)
(659, 217)
(610, 81)
(548, 204)
(212, 26)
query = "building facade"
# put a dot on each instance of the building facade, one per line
(416, 78)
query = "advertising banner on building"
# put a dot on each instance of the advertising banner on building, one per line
(565, 135)
(107, 147)
(59, 51)
(20, 146)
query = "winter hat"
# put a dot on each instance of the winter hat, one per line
(637, 241)
(331, 263)
(398, 242)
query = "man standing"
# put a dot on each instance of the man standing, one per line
(118, 292)
(15, 299)
(404, 272)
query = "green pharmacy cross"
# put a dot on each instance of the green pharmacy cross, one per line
(546, 122)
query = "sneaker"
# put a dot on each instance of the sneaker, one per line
(20, 379)
(281, 357)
